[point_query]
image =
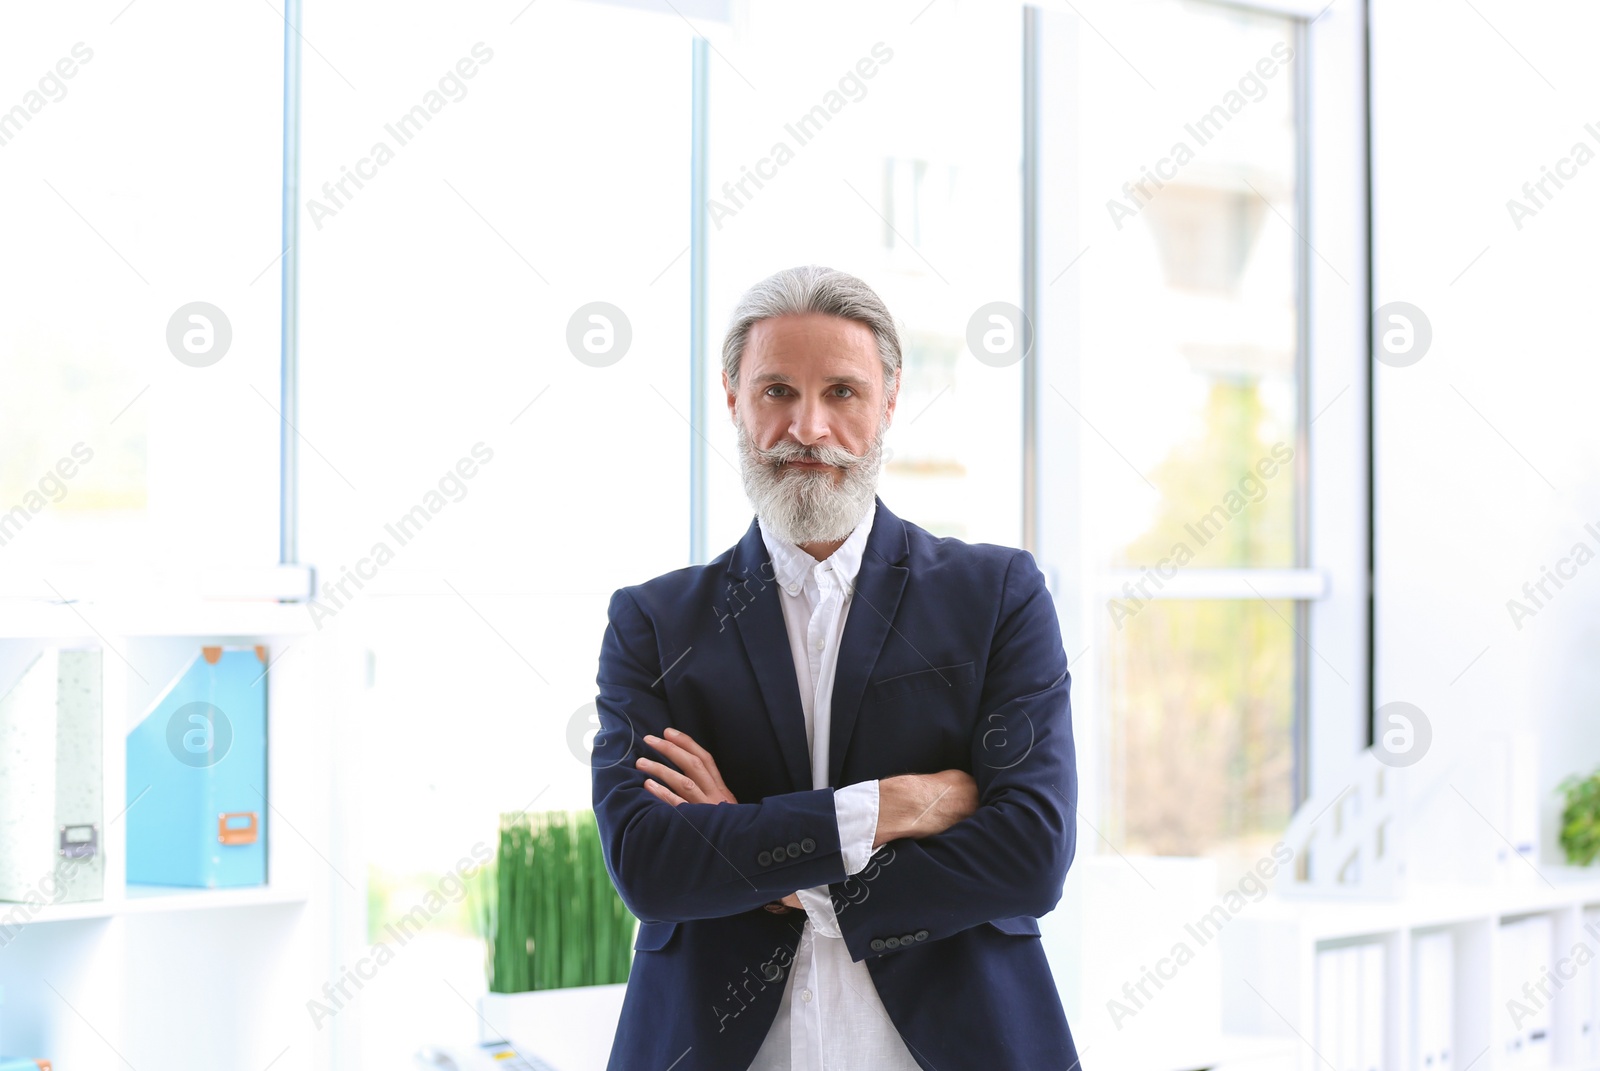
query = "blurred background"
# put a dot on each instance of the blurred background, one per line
(389, 338)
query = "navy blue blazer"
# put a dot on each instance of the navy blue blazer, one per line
(951, 659)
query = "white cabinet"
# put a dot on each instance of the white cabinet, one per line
(193, 979)
(1491, 979)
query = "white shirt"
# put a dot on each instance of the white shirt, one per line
(830, 1017)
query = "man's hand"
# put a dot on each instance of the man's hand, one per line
(920, 805)
(699, 781)
(782, 907)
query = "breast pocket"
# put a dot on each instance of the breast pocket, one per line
(923, 679)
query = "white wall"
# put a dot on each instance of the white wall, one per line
(1487, 453)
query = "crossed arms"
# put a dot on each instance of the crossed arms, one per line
(968, 846)
(911, 805)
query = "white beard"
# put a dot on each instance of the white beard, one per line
(804, 506)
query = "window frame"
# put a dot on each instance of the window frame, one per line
(1331, 583)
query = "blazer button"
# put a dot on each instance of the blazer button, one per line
(794, 849)
(765, 858)
(906, 939)
(922, 935)
(778, 854)
(891, 942)
(808, 845)
(771, 971)
(876, 945)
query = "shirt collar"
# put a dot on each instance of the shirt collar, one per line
(791, 564)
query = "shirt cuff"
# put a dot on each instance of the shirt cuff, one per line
(818, 904)
(855, 808)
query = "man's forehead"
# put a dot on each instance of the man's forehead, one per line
(830, 347)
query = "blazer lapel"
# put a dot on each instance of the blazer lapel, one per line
(879, 584)
(753, 595)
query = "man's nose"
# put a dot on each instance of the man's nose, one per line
(810, 423)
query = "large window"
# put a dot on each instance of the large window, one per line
(495, 331)
(1187, 390)
(882, 164)
(141, 298)
(1192, 356)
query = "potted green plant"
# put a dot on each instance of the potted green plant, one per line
(559, 941)
(1580, 818)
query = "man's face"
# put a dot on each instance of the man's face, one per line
(811, 411)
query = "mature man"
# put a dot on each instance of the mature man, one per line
(835, 776)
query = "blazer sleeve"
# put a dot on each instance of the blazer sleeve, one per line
(1011, 856)
(694, 860)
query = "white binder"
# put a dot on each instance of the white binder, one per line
(1329, 1046)
(1538, 943)
(1435, 1003)
(1352, 1045)
(1526, 947)
(1371, 959)
(1511, 965)
(1589, 993)
(50, 781)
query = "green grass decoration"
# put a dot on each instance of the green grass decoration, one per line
(547, 909)
(1580, 818)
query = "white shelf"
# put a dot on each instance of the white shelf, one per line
(16, 914)
(25, 619)
(1424, 906)
(142, 584)
(1162, 1051)
(143, 899)
(147, 898)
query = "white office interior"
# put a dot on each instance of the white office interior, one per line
(351, 357)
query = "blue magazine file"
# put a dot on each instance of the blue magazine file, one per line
(197, 776)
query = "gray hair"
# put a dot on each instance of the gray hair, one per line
(812, 288)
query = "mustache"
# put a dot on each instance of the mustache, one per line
(786, 450)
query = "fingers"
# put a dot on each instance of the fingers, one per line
(787, 904)
(662, 792)
(686, 789)
(681, 739)
(704, 781)
(689, 757)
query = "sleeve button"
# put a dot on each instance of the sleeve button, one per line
(906, 939)
(778, 854)
(794, 849)
(891, 942)
(877, 944)
(765, 858)
(808, 845)
(922, 935)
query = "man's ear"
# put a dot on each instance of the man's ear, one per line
(732, 398)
